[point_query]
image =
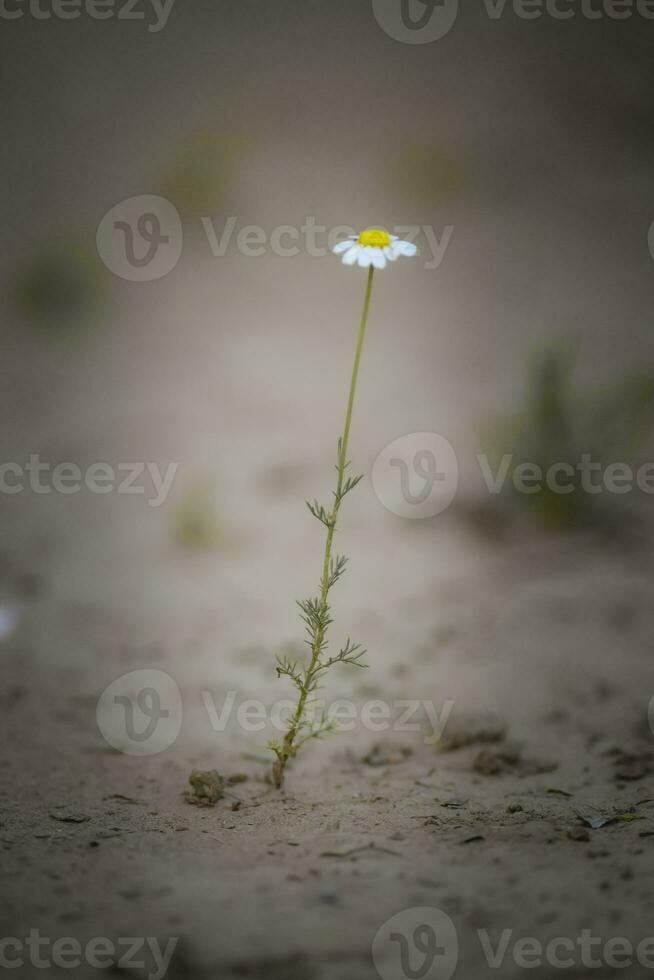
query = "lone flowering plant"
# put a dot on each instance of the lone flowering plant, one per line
(372, 249)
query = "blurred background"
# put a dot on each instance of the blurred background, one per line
(525, 148)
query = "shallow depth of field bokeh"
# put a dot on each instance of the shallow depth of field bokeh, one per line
(533, 336)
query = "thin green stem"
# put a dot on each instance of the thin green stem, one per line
(289, 746)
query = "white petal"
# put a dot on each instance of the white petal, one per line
(342, 246)
(389, 253)
(350, 257)
(378, 259)
(365, 258)
(405, 248)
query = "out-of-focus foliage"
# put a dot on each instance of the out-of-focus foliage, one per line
(201, 173)
(61, 286)
(195, 521)
(426, 174)
(558, 423)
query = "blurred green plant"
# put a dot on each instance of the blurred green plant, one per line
(427, 175)
(195, 521)
(60, 287)
(201, 173)
(560, 424)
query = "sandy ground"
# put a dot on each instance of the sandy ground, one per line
(298, 884)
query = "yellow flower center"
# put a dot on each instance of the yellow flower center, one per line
(375, 237)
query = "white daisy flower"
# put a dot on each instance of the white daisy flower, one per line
(375, 247)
